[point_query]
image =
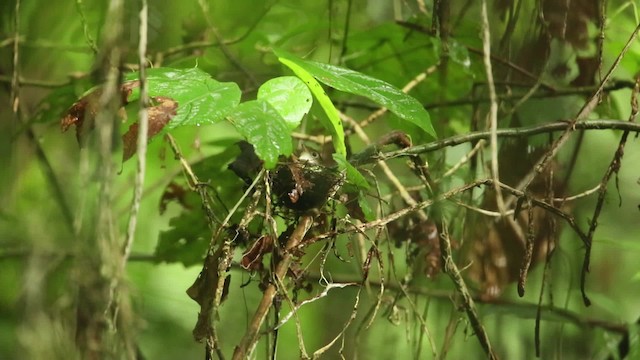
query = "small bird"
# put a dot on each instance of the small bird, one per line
(311, 157)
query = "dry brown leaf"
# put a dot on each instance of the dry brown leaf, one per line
(83, 112)
(252, 258)
(158, 115)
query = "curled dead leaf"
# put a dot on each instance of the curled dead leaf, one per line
(83, 112)
(252, 258)
(158, 116)
(174, 192)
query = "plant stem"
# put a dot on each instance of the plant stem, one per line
(251, 336)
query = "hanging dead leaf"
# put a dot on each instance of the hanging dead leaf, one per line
(158, 115)
(252, 258)
(174, 192)
(82, 114)
(87, 106)
(210, 285)
(495, 251)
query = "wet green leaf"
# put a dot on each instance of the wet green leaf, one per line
(332, 122)
(383, 93)
(201, 99)
(264, 128)
(353, 175)
(289, 96)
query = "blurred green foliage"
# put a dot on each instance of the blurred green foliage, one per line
(57, 44)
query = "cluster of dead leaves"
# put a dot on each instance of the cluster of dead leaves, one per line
(83, 115)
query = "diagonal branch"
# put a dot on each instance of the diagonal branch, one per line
(501, 133)
(251, 336)
(468, 303)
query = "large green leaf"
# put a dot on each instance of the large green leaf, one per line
(383, 93)
(332, 122)
(264, 128)
(201, 99)
(289, 96)
(187, 238)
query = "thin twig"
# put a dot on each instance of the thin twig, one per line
(294, 311)
(205, 44)
(508, 133)
(493, 108)
(15, 86)
(468, 303)
(85, 26)
(528, 253)
(577, 196)
(143, 125)
(383, 165)
(506, 97)
(380, 222)
(445, 196)
(586, 109)
(204, 6)
(479, 145)
(248, 342)
(614, 167)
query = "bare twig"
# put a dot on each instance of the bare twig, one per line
(509, 96)
(467, 301)
(508, 133)
(248, 342)
(398, 214)
(204, 6)
(15, 89)
(479, 145)
(143, 125)
(528, 253)
(85, 26)
(294, 311)
(354, 311)
(614, 167)
(577, 196)
(493, 108)
(586, 109)
(383, 165)
(445, 196)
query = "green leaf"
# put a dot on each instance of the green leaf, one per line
(634, 341)
(187, 239)
(332, 122)
(289, 96)
(368, 212)
(264, 128)
(353, 175)
(383, 93)
(201, 99)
